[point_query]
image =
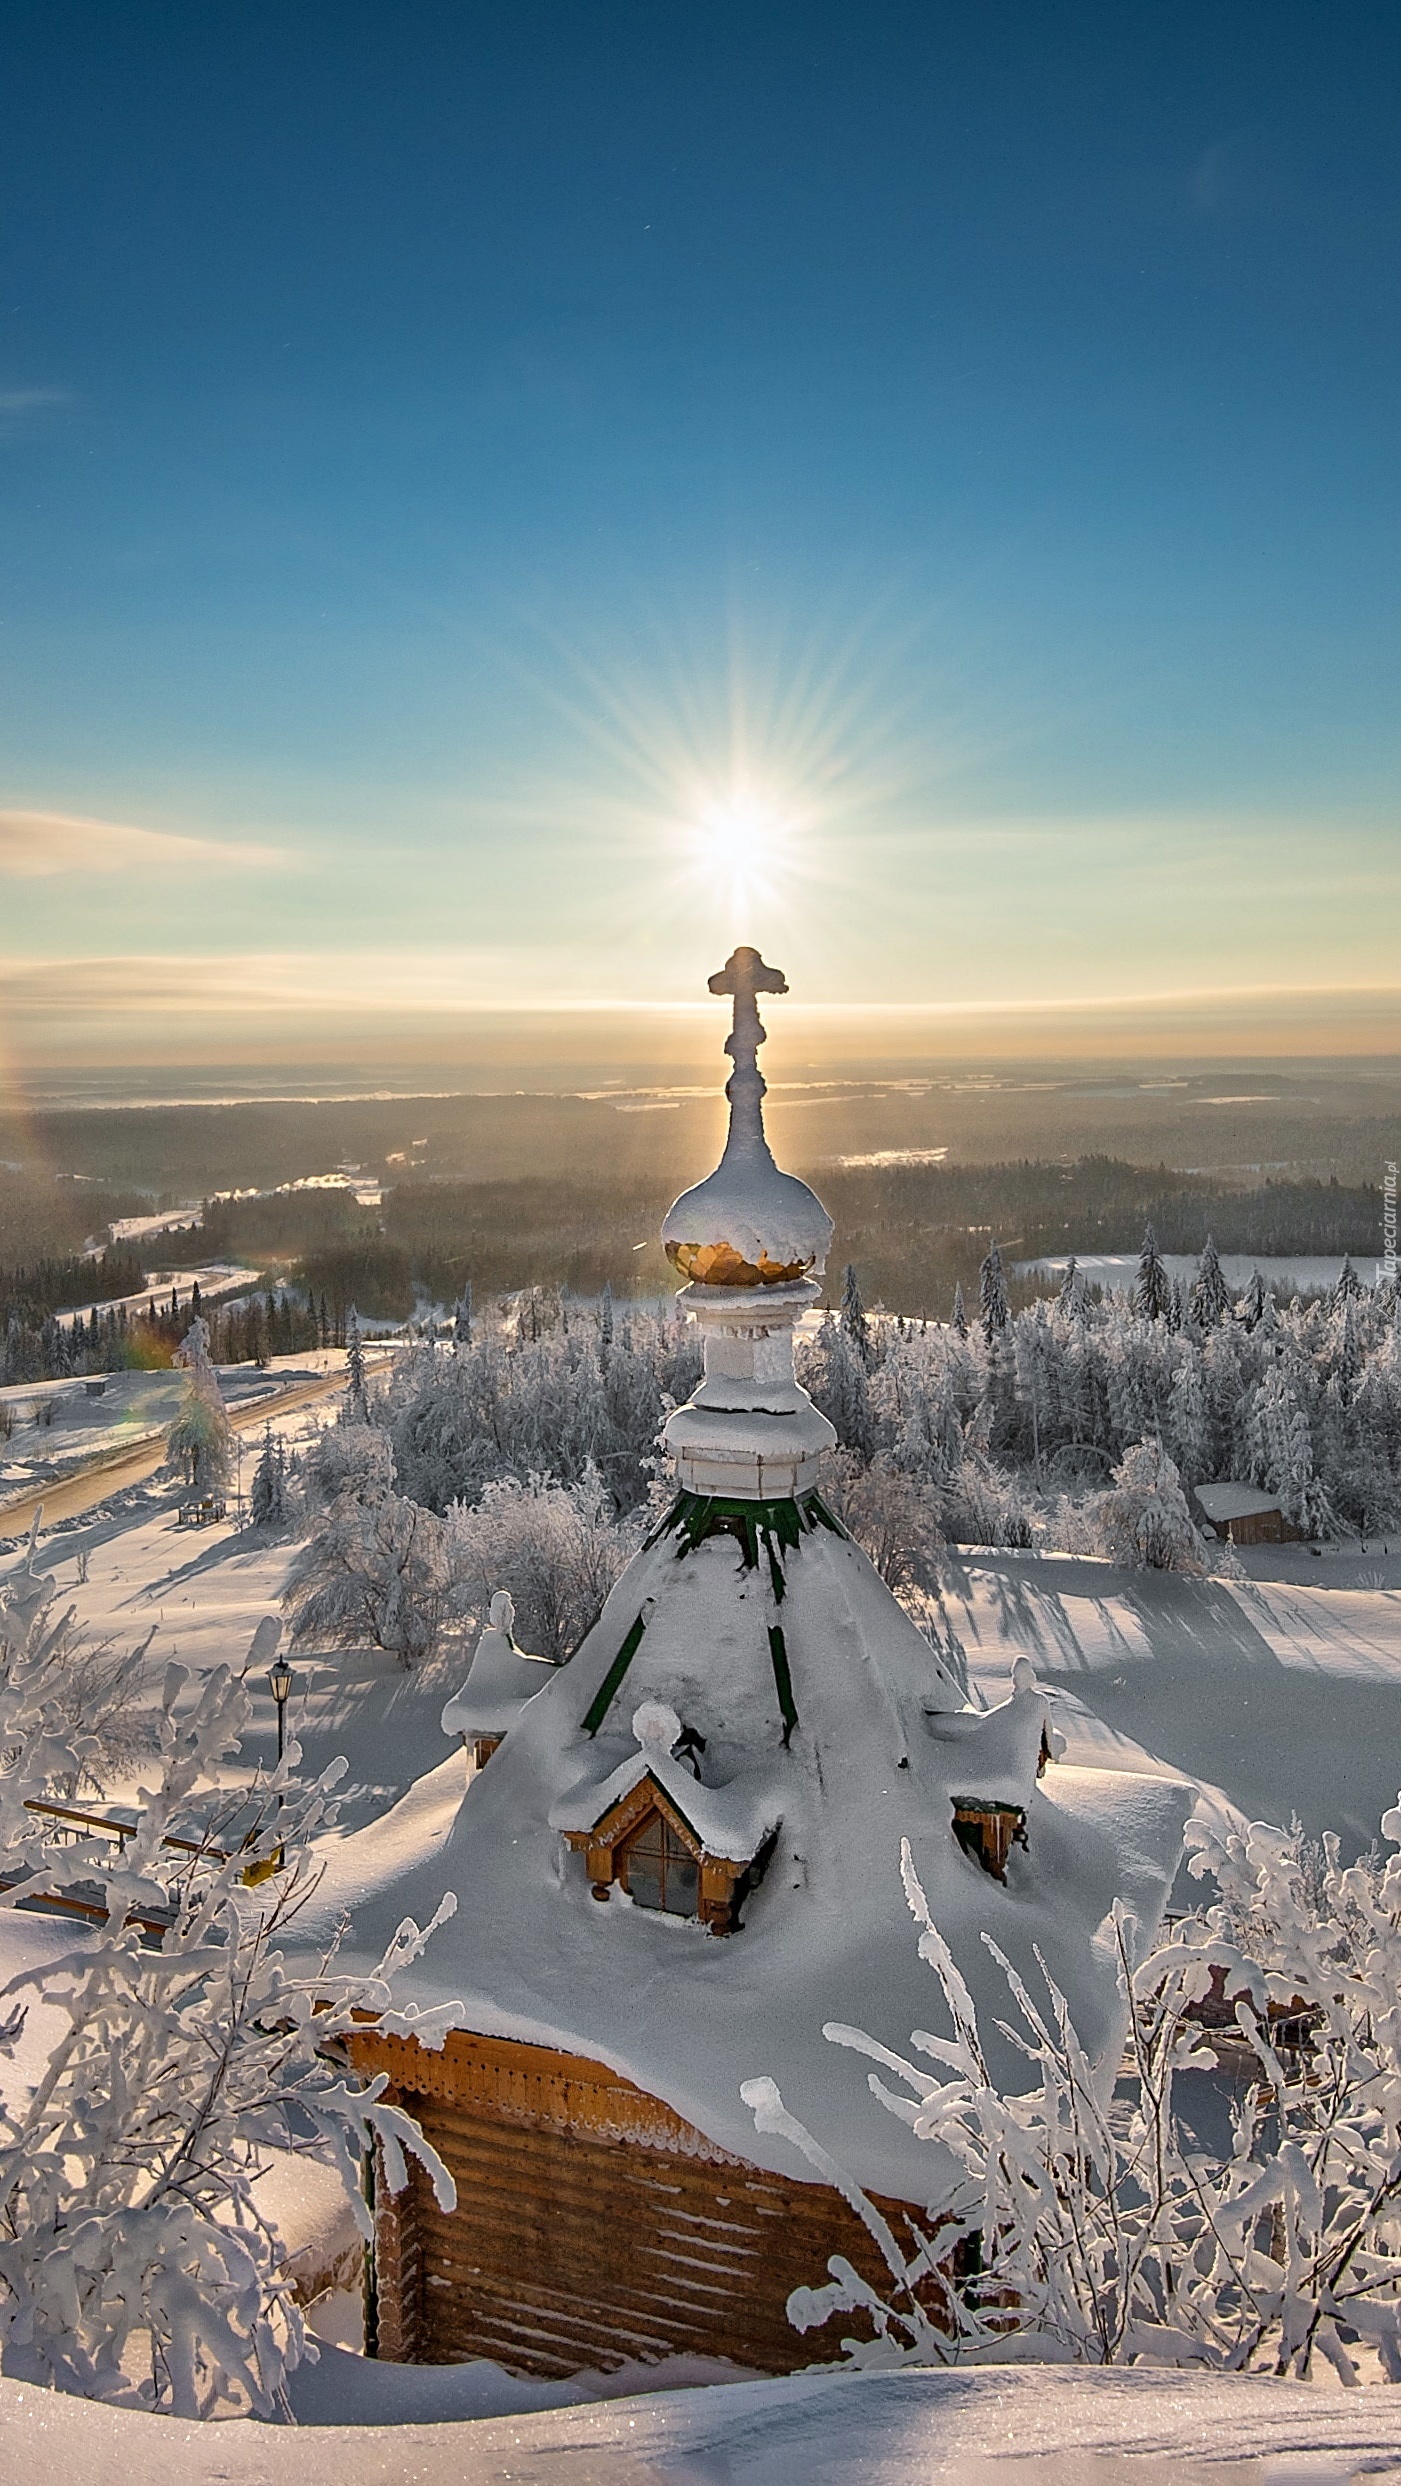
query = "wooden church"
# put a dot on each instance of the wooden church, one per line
(677, 1856)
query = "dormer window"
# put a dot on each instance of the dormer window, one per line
(654, 1829)
(659, 1869)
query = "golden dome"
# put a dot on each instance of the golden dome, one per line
(747, 1224)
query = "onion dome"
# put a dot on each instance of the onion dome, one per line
(747, 1224)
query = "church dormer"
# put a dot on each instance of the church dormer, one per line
(653, 1830)
(500, 1680)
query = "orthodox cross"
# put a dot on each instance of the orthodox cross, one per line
(745, 975)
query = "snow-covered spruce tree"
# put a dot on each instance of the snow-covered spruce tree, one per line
(1209, 1301)
(462, 1320)
(137, 2264)
(1152, 1287)
(834, 1372)
(1143, 1520)
(1349, 1283)
(960, 1318)
(267, 1498)
(1256, 1303)
(357, 1406)
(851, 1318)
(1070, 1301)
(992, 1295)
(557, 1548)
(1109, 2232)
(199, 1444)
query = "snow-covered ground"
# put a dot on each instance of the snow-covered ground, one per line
(1063, 2427)
(1298, 1273)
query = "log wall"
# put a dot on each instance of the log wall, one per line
(593, 2226)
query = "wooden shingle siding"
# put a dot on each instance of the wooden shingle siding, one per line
(577, 2245)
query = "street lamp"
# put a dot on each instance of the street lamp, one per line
(280, 1678)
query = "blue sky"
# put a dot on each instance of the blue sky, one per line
(528, 494)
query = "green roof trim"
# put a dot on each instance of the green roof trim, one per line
(602, 1701)
(783, 1679)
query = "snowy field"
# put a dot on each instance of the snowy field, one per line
(1299, 1273)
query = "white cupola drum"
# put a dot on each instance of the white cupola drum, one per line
(753, 1241)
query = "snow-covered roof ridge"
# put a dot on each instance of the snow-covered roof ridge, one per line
(500, 1679)
(731, 1818)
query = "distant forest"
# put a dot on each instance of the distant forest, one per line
(913, 1233)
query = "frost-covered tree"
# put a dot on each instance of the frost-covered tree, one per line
(1256, 1303)
(267, 1499)
(834, 1372)
(1153, 1287)
(357, 1405)
(1209, 1301)
(851, 1318)
(557, 1549)
(375, 1571)
(1144, 1520)
(462, 1320)
(1349, 1285)
(199, 1443)
(137, 2264)
(992, 1294)
(91, 1691)
(894, 1520)
(1070, 1301)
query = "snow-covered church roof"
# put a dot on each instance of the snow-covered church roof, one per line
(753, 1671)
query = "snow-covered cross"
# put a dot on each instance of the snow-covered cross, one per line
(745, 975)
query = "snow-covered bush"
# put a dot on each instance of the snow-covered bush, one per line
(136, 2264)
(89, 1691)
(1097, 2226)
(1143, 1521)
(558, 1549)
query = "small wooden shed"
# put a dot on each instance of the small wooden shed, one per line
(1243, 1513)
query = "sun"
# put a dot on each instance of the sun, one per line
(745, 845)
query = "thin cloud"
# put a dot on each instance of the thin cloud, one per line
(42, 845)
(32, 400)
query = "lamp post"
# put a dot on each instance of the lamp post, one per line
(280, 1679)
